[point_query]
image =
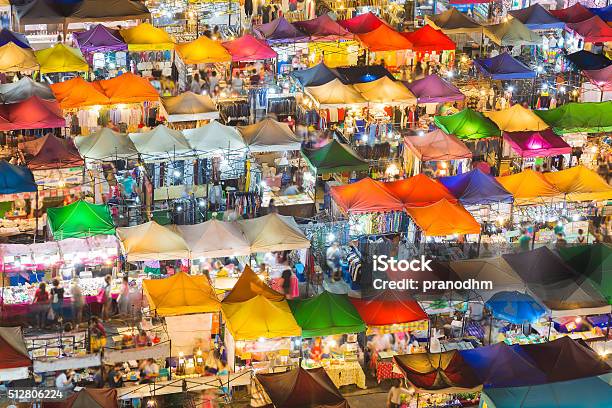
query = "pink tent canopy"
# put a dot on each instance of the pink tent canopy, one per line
(363, 23)
(537, 144)
(437, 145)
(592, 30)
(33, 113)
(249, 48)
(602, 78)
(323, 28)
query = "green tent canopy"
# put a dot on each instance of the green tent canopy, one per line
(334, 157)
(80, 219)
(588, 117)
(594, 262)
(326, 314)
(468, 124)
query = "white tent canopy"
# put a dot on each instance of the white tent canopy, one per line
(215, 139)
(273, 232)
(105, 144)
(214, 238)
(269, 135)
(161, 142)
(151, 241)
(335, 94)
(189, 106)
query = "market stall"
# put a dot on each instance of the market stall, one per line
(217, 140)
(432, 90)
(592, 117)
(511, 32)
(464, 30)
(516, 119)
(229, 239)
(151, 241)
(476, 188)
(189, 107)
(531, 144)
(16, 362)
(488, 269)
(504, 67)
(17, 59)
(150, 49)
(593, 262)
(468, 124)
(79, 220)
(273, 232)
(438, 147)
(50, 152)
(249, 48)
(61, 59)
(250, 285)
(103, 47)
(537, 18)
(105, 145)
(24, 89)
(17, 183)
(529, 187)
(32, 113)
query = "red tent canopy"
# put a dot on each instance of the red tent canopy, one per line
(12, 349)
(249, 48)
(51, 152)
(573, 14)
(419, 191)
(592, 30)
(427, 39)
(33, 113)
(384, 38)
(388, 307)
(365, 196)
(363, 23)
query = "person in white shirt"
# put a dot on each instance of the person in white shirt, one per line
(63, 381)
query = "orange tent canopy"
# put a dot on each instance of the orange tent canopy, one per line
(365, 196)
(248, 286)
(419, 191)
(127, 88)
(529, 187)
(444, 218)
(384, 38)
(78, 92)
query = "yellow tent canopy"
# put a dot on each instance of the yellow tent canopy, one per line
(61, 58)
(529, 187)
(260, 317)
(203, 51)
(151, 241)
(516, 119)
(385, 90)
(580, 184)
(444, 218)
(13, 58)
(335, 93)
(248, 286)
(145, 37)
(181, 294)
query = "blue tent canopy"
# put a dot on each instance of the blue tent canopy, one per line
(515, 307)
(475, 187)
(320, 74)
(500, 365)
(7, 36)
(536, 17)
(504, 66)
(16, 179)
(583, 393)
(360, 74)
(605, 13)
(585, 60)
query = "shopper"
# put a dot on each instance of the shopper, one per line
(124, 297)
(41, 305)
(57, 301)
(107, 299)
(77, 301)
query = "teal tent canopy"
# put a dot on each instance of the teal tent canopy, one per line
(334, 157)
(468, 124)
(587, 117)
(80, 219)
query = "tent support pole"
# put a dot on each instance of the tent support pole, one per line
(36, 215)
(490, 327)
(608, 328)
(549, 328)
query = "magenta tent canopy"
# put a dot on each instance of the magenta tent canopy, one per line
(601, 78)
(323, 28)
(32, 113)
(100, 39)
(363, 23)
(537, 144)
(433, 89)
(249, 48)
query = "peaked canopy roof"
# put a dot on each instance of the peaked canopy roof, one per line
(445, 372)
(259, 317)
(437, 145)
(301, 388)
(145, 37)
(249, 48)
(127, 88)
(41, 12)
(279, 31)
(151, 241)
(356, 74)
(489, 269)
(433, 89)
(516, 119)
(13, 349)
(512, 33)
(587, 60)
(428, 39)
(363, 23)
(16, 179)
(515, 307)
(384, 38)
(61, 58)
(592, 30)
(108, 10)
(248, 286)
(80, 219)
(418, 191)
(215, 139)
(387, 308)
(589, 117)
(365, 196)
(537, 144)
(7, 36)
(77, 92)
(326, 314)
(604, 12)
(105, 144)
(273, 232)
(323, 28)
(23, 89)
(504, 67)
(202, 50)
(320, 74)
(92, 398)
(452, 21)
(335, 94)
(593, 262)
(51, 152)
(181, 294)
(536, 17)
(529, 187)
(161, 141)
(573, 14)
(334, 157)
(580, 184)
(467, 124)
(13, 58)
(385, 90)
(189, 106)
(444, 218)
(475, 187)
(602, 78)
(228, 239)
(100, 38)
(269, 135)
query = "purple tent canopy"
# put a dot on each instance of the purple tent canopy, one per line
(537, 144)
(323, 28)
(433, 89)
(100, 39)
(475, 187)
(504, 67)
(279, 31)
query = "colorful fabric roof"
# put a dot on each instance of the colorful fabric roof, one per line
(16, 179)
(13, 58)
(100, 38)
(229, 239)
(189, 106)
(580, 184)
(604, 12)
(105, 144)
(587, 60)
(452, 21)
(151, 241)
(467, 124)
(335, 94)
(516, 119)
(489, 269)
(19, 39)
(77, 92)
(419, 191)
(365, 196)
(428, 39)
(387, 308)
(32, 113)
(13, 349)
(385, 90)
(357, 74)
(146, 37)
(108, 10)
(515, 307)
(512, 33)
(475, 187)
(444, 218)
(80, 219)
(161, 141)
(384, 38)
(273, 232)
(593, 262)
(592, 30)
(92, 398)
(363, 23)
(280, 31)
(529, 187)
(334, 157)
(61, 58)
(437, 145)
(320, 74)
(573, 14)
(433, 89)
(23, 89)
(323, 28)
(248, 286)
(269, 135)
(202, 50)
(181, 294)
(588, 117)
(544, 143)
(127, 88)
(504, 67)
(215, 139)
(536, 17)
(326, 314)
(602, 78)
(249, 48)
(259, 317)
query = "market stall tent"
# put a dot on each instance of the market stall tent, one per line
(592, 30)
(573, 14)
(433, 89)
(13, 58)
(301, 388)
(357, 74)
(444, 218)
(602, 78)
(77, 93)
(587, 60)
(515, 307)
(41, 12)
(202, 50)
(476, 188)
(161, 142)
(604, 12)
(127, 88)
(15, 362)
(323, 28)
(516, 119)
(388, 308)
(428, 39)
(61, 58)
(228, 239)
(279, 31)
(320, 74)
(269, 135)
(326, 314)
(529, 187)
(504, 67)
(335, 94)
(151, 241)
(259, 317)
(543, 143)
(419, 191)
(215, 139)
(579, 183)
(145, 37)
(91, 398)
(589, 117)
(365, 196)
(16, 179)
(384, 38)
(437, 145)
(23, 89)
(248, 286)
(80, 219)
(536, 17)
(181, 294)
(100, 38)
(51, 152)
(334, 157)
(249, 48)
(188, 107)
(592, 262)
(467, 124)
(511, 33)
(105, 144)
(386, 91)
(363, 23)
(19, 39)
(108, 10)
(452, 21)
(489, 269)
(273, 232)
